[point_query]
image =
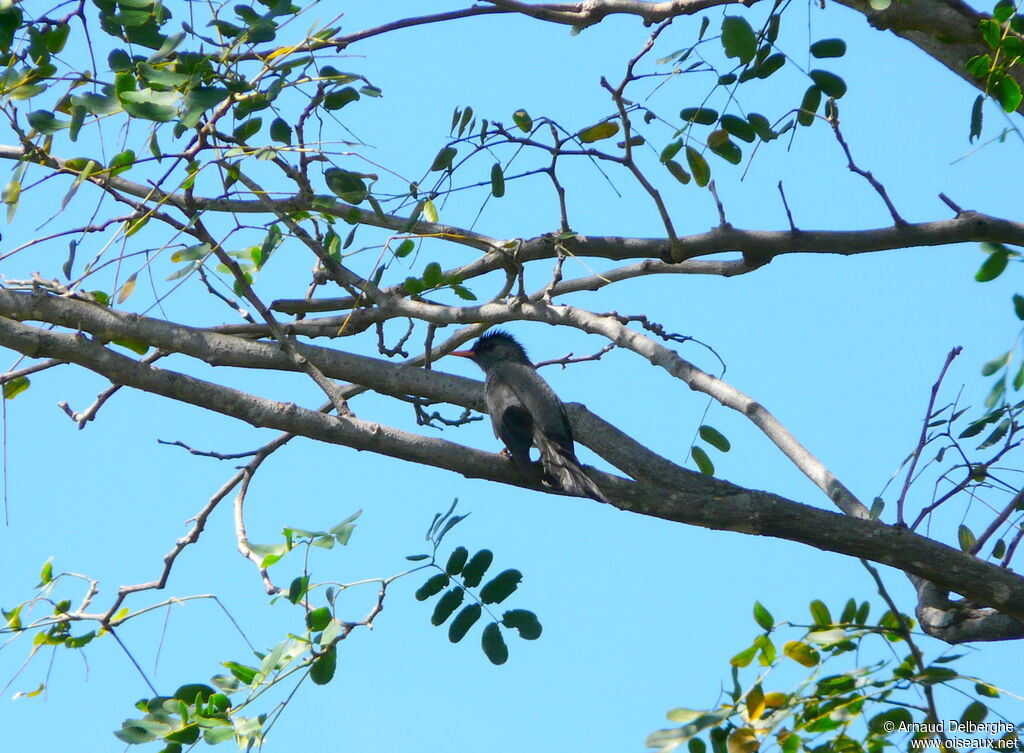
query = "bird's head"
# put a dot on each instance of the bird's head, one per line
(494, 348)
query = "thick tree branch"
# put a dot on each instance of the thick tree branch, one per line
(721, 506)
(758, 247)
(946, 30)
(108, 325)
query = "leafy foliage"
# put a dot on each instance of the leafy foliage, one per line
(228, 706)
(846, 704)
(472, 571)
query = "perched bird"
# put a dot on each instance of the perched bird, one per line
(525, 411)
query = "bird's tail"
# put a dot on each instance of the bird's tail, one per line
(563, 470)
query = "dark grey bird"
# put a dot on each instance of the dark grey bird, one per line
(526, 412)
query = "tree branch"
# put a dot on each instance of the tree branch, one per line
(719, 505)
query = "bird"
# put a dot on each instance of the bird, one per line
(526, 412)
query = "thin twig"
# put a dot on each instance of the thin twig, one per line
(785, 204)
(923, 439)
(89, 413)
(208, 453)
(866, 174)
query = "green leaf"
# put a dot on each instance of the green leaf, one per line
(820, 613)
(133, 734)
(997, 393)
(324, 666)
(347, 186)
(443, 160)
(990, 32)
(1018, 305)
(720, 144)
(802, 653)
(46, 572)
(200, 99)
(979, 66)
(1008, 93)
(714, 438)
(463, 621)
(738, 127)
(975, 712)
(298, 588)
(185, 736)
(704, 464)
(433, 585)
(44, 122)
(997, 434)
(446, 605)
(828, 48)
(118, 61)
(524, 621)
(149, 104)
(597, 132)
(677, 171)
(738, 39)
(699, 115)
(993, 266)
(698, 166)
(136, 346)
(474, 570)
(432, 275)
(15, 387)
(935, 675)
(497, 181)
(337, 99)
(330, 632)
(244, 673)
(318, 619)
(192, 693)
(849, 611)
(405, 248)
(121, 162)
(743, 658)
(247, 130)
(457, 560)
(763, 617)
(501, 586)
(829, 83)
(996, 364)
(976, 118)
(809, 106)
(985, 690)
(1003, 11)
(671, 150)
(493, 644)
(771, 64)
(523, 120)
(280, 131)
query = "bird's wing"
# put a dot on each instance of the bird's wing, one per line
(538, 399)
(511, 421)
(533, 414)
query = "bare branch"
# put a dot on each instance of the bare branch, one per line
(671, 496)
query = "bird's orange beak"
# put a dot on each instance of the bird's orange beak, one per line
(463, 353)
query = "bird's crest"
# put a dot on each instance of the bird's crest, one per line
(498, 340)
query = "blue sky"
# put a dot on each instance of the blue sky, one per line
(639, 615)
